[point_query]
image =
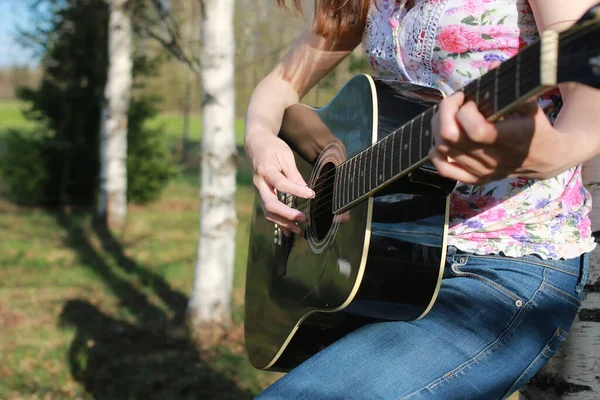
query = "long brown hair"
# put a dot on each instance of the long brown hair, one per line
(334, 18)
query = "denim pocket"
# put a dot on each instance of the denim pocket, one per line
(515, 283)
(548, 351)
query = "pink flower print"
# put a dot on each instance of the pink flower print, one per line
(444, 67)
(472, 6)
(503, 36)
(483, 64)
(572, 197)
(497, 213)
(458, 39)
(516, 230)
(584, 226)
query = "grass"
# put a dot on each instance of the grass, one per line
(11, 116)
(172, 124)
(87, 314)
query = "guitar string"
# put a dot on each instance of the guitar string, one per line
(511, 68)
(327, 204)
(323, 208)
(371, 149)
(401, 128)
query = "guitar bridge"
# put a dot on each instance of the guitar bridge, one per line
(283, 244)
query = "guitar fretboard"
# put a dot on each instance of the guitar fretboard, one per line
(409, 145)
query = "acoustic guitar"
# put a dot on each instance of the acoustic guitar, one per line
(374, 246)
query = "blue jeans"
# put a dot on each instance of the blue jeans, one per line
(496, 322)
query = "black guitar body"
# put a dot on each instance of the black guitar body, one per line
(382, 259)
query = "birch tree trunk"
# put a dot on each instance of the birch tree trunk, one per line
(574, 372)
(112, 199)
(211, 296)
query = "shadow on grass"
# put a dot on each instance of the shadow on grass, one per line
(152, 358)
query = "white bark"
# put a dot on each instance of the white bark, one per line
(211, 295)
(112, 199)
(574, 372)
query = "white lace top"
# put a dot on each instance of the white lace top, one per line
(446, 44)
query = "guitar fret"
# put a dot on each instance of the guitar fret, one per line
(343, 185)
(353, 182)
(335, 187)
(364, 177)
(360, 176)
(403, 146)
(348, 183)
(382, 175)
(421, 137)
(376, 165)
(393, 135)
(410, 145)
(347, 188)
(371, 170)
(381, 162)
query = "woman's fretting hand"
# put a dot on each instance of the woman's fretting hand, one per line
(472, 150)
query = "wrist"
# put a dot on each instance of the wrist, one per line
(254, 137)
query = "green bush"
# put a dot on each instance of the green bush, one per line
(32, 167)
(23, 168)
(150, 164)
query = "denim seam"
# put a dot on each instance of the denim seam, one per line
(512, 388)
(559, 333)
(457, 272)
(515, 322)
(539, 264)
(559, 294)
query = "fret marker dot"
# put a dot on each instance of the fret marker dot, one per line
(486, 95)
(426, 133)
(405, 147)
(380, 177)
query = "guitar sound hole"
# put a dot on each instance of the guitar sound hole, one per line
(321, 210)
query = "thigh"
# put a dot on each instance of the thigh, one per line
(482, 337)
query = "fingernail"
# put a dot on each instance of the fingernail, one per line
(302, 218)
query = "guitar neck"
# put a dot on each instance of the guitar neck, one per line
(407, 147)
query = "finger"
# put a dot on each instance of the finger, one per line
(278, 180)
(472, 163)
(475, 125)
(291, 172)
(529, 108)
(274, 206)
(517, 134)
(451, 170)
(286, 226)
(494, 64)
(445, 124)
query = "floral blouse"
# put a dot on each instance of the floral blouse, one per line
(445, 44)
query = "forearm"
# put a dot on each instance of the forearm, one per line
(267, 104)
(579, 122)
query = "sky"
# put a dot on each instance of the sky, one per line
(13, 13)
